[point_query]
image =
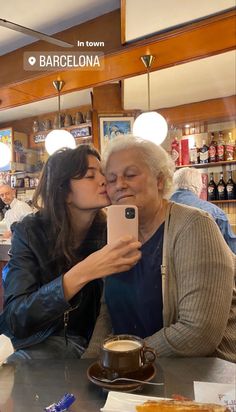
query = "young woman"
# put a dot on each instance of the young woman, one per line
(52, 283)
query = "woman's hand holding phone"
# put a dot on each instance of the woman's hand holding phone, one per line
(118, 256)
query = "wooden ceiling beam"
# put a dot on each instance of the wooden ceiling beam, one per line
(205, 38)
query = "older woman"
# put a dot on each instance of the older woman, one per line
(179, 296)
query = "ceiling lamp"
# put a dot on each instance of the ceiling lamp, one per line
(5, 154)
(150, 125)
(58, 138)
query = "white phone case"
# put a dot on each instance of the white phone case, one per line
(121, 220)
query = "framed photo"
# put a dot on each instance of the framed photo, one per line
(111, 127)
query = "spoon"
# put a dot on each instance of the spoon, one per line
(105, 380)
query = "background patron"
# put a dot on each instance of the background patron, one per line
(16, 209)
(188, 185)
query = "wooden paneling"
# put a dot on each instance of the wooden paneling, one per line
(123, 20)
(208, 111)
(194, 41)
(107, 98)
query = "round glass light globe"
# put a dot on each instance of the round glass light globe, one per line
(5, 154)
(57, 139)
(151, 126)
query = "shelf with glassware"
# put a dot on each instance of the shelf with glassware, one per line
(210, 164)
(24, 183)
(219, 170)
(215, 169)
(211, 147)
(81, 132)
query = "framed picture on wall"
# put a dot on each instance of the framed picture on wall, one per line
(111, 127)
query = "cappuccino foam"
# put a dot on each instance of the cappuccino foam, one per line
(122, 345)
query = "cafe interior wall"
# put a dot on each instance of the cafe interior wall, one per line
(107, 100)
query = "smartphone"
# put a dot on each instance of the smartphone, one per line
(121, 220)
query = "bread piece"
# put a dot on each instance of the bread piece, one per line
(179, 406)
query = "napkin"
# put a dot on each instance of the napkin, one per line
(125, 402)
(220, 393)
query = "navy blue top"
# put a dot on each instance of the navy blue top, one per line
(134, 298)
(187, 197)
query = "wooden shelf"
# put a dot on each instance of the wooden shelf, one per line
(223, 201)
(25, 188)
(207, 165)
(37, 139)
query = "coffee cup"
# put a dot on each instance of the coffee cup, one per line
(124, 354)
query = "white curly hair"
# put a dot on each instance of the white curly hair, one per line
(154, 156)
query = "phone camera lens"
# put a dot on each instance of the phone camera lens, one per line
(130, 213)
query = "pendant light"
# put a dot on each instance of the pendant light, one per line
(5, 154)
(58, 138)
(150, 125)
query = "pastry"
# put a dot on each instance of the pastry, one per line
(179, 406)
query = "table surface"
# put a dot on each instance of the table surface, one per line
(35, 384)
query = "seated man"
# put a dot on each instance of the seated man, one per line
(17, 209)
(2, 205)
(188, 185)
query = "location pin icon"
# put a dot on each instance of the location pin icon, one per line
(32, 60)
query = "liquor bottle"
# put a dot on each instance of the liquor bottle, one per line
(176, 151)
(221, 187)
(13, 181)
(231, 187)
(204, 153)
(26, 182)
(229, 148)
(194, 155)
(212, 148)
(212, 189)
(220, 149)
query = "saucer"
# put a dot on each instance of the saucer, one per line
(145, 374)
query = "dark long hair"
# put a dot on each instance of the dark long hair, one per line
(51, 195)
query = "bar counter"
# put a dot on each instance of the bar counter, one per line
(33, 385)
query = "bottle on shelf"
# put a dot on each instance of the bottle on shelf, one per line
(26, 182)
(220, 149)
(13, 181)
(212, 189)
(184, 149)
(176, 151)
(212, 148)
(221, 187)
(194, 155)
(204, 153)
(229, 147)
(231, 187)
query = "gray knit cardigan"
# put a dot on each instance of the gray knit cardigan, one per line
(199, 294)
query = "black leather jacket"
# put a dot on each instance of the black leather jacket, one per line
(34, 303)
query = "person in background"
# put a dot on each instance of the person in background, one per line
(2, 205)
(188, 184)
(180, 296)
(16, 209)
(52, 282)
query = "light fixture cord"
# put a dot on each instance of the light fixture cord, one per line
(148, 76)
(59, 109)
